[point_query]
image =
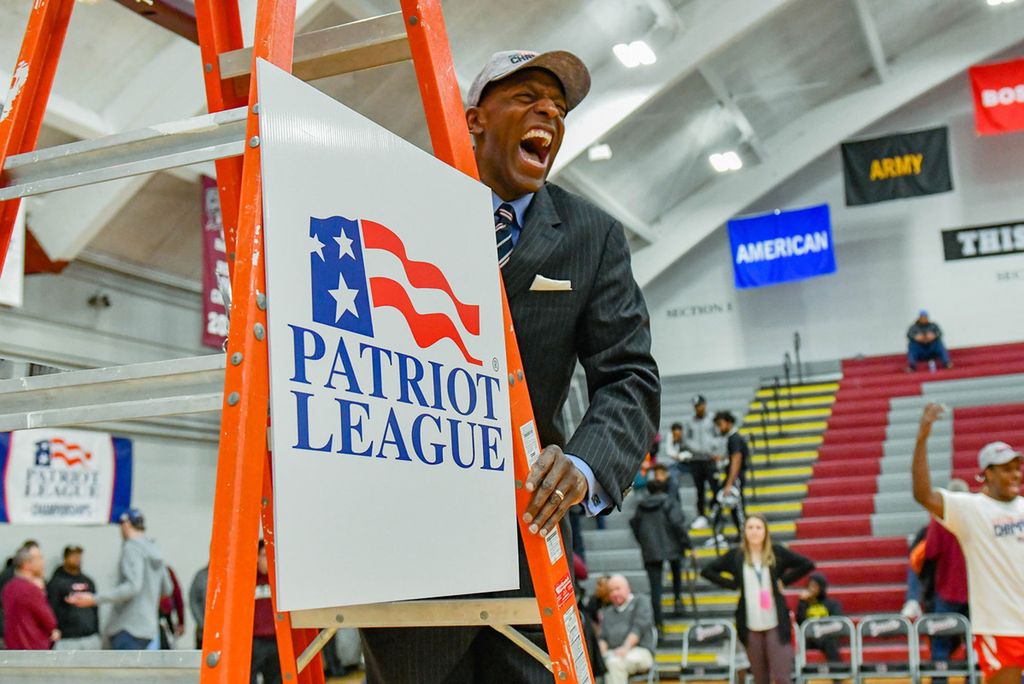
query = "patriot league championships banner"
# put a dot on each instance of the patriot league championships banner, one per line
(998, 97)
(215, 266)
(983, 241)
(56, 476)
(782, 246)
(388, 376)
(897, 166)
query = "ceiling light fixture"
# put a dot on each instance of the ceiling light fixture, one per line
(726, 161)
(600, 152)
(634, 54)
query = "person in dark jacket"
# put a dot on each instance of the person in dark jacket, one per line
(79, 627)
(924, 343)
(815, 603)
(759, 569)
(660, 529)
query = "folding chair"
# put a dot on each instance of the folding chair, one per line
(819, 628)
(710, 634)
(652, 676)
(892, 628)
(945, 625)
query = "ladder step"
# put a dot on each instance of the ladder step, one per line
(144, 390)
(166, 667)
(428, 613)
(147, 150)
(358, 45)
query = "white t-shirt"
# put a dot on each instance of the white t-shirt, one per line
(755, 580)
(991, 534)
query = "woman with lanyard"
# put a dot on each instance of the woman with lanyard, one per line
(759, 569)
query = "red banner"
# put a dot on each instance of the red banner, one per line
(998, 97)
(215, 263)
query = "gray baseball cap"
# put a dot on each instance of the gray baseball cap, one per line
(567, 68)
(996, 453)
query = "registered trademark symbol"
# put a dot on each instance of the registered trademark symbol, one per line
(494, 363)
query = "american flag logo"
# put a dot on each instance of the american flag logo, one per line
(345, 291)
(56, 449)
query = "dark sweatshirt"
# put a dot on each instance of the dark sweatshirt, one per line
(73, 622)
(822, 606)
(660, 529)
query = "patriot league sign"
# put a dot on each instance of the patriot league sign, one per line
(58, 476)
(390, 417)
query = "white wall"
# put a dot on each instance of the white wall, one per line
(173, 483)
(889, 257)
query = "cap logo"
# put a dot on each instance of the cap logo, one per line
(520, 57)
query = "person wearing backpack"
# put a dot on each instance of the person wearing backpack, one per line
(660, 528)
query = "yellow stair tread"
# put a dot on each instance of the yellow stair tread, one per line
(772, 428)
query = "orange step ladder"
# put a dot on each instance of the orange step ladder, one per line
(244, 491)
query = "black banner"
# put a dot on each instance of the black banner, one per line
(897, 166)
(983, 241)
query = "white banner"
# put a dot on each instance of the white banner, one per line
(57, 476)
(391, 437)
(12, 278)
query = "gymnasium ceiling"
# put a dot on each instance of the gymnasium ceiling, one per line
(778, 81)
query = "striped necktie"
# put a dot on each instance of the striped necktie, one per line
(504, 221)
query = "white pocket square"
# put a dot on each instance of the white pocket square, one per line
(542, 284)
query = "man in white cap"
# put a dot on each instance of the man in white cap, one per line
(565, 265)
(990, 528)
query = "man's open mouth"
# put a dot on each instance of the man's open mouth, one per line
(535, 146)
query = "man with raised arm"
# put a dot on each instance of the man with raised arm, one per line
(990, 528)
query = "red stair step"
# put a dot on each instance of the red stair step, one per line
(850, 452)
(867, 571)
(876, 598)
(828, 550)
(828, 506)
(845, 526)
(986, 411)
(839, 468)
(841, 486)
(841, 436)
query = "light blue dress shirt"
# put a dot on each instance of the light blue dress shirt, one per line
(597, 499)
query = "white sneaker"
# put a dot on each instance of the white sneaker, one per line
(700, 523)
(718, 540)
(911, 609)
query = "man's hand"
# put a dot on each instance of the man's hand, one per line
(931, 413)
(179, 630)
(55, 636)
(603, 645)
(621, 651)
(82, 599)
(557, 485)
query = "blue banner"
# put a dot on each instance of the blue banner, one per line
(58, 476)
(782, 246)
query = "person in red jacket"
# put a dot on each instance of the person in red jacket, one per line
(29, 622)
(264, 637)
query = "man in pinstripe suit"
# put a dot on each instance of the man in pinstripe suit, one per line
(571, 291)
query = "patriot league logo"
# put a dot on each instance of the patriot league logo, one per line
(390, 402)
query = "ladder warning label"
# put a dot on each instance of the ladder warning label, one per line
(579, 654)
(564, 591)
(554, 542)
(530, 444)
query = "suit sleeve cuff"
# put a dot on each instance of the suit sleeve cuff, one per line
(597, 500)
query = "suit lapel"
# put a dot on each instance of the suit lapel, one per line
(540, 238)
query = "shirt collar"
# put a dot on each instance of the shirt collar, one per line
(625, 604)
(519, 206)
